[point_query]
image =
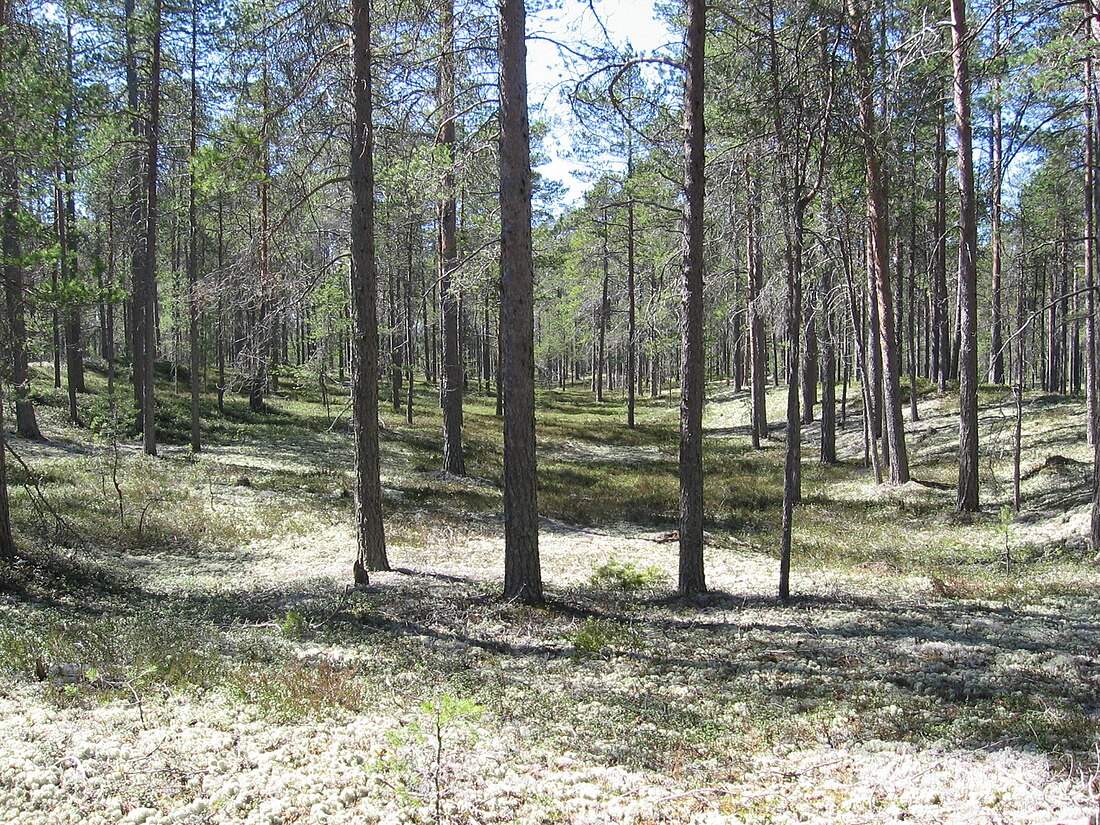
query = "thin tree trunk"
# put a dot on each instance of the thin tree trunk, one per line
(452, 379)
(828, 371)
(193, 241)
(914, 351)
(522, 570)
(691, 574)
(880, 249)
(148, 427)
(941, 341)
(397, 367)
(410, 339)
(1017, 445)
(602, 313)
(222, 386)
(968, 273)
(57, 273)
(996, 174)
(757, 364)
(74, 353)
(874, 352)
(871, 443)
(108, 303)
(810, 364)
(499, 377)
(71, 342)
(792, 470)
(631, 332)
(7, 541)
(138, 218)
(370, 535)
(26, 422)
(1092, 380)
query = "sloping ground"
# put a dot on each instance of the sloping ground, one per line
(237, 679)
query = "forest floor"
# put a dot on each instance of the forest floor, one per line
(185, 647)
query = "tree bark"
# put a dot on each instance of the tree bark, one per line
(1092, 380)
(193, 241)
(26, 422)
(811, 367)
(149, 277)
(522, 570)
(410, 339)
(397, 367)
(452, 378)
(602, 313)
(138, 209)
(871, 443)
(66, 267)
(792, 469)
(996, 175)
(828, 371)
(879, 252)
(968, 272)
(757, 363)
(370, 536)
(691, 574)
(7, 541)
(941, 328)
(631, 330)
(74, 345)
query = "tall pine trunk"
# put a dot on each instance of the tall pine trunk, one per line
(879, 249)
(602, 313)
(631, 329)
(522, 570)
(370, 536)
(758, 368)
(941, 327)
(149, 276)
(193, 241)
(828, 370)
(452, 380)
(691, 574)
(138, 210)
(968, 267)
(996, 175)
(7, 541)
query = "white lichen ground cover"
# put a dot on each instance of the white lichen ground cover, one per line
(263, 691)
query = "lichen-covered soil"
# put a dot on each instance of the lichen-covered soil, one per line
(200, 658)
